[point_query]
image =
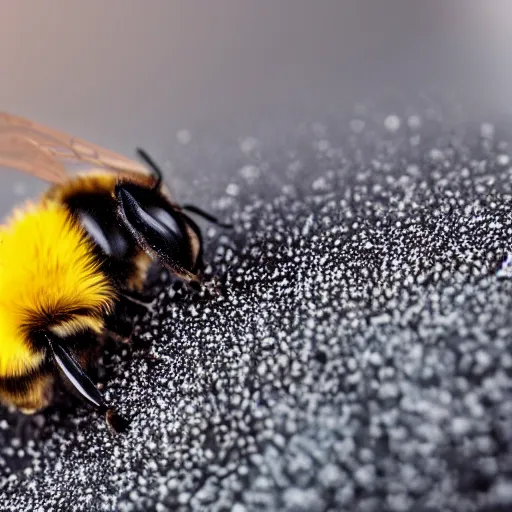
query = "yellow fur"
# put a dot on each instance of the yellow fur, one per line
(46, 266)
(77, 324)
(37, 395)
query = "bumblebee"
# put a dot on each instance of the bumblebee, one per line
(69, 259)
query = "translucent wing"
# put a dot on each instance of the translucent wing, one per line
(18, 152)
(43, 152)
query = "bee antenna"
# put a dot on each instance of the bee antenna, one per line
(209, 217)
(152, 165)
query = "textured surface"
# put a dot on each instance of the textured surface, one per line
(351, 349)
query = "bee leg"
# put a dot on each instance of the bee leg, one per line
(117, 423)
(117, 325)
(199, 266)
(75, 374)
(131, 297)
(118, 328)
(84, 385)
(136, 298)
(22, 427)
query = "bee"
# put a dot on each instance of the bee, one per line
(70, 259)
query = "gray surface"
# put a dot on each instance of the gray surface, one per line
(351, 350)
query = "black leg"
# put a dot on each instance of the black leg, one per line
(118, 326)
(136, 298)
(75, 373)
(199, 266)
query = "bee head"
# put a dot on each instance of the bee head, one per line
(160, 228)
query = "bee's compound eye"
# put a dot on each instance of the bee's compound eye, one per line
(166, 221)
(154, 226)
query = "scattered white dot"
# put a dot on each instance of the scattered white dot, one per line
(392, 123)
(436, 154)
(248, 144)
(184, 137)
(232, 189)
(503, 159)
(357, 125)
(414, 122)
(250, 172)
(487, 130)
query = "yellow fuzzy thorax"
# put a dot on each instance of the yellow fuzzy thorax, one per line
(47, 267)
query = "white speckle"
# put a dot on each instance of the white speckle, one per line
(487, 130)
(184, 137)
(365, 475)
(505, 269)
(323, 145)
(392, 123)
(357, 125)
(307, 225)
(248, 144)
(320, 184)
(414, 122)
(399, 502)
(376, 359)
(461, 426)
(250, 173)
(483, 358)
(330, 476)
(502, 492)
(388, 390)
(413, 170)
(232, 189)
(302, 499)
(503, 159)
(436, 154)
(295, 166)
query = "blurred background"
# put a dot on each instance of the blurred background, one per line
(165, 74)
